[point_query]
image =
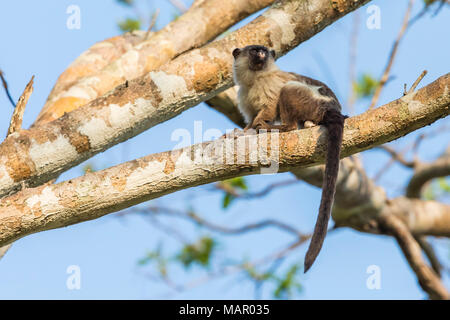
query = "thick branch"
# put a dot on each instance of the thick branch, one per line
(92, 61)
(193, 29)
(425, 172)
(96, 194)
(40, 154)
(422, 217)
(428, 280)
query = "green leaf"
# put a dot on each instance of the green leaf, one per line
(365, 86)
(238, 182)
(199, 252)
(230, 186)
(288, 283)
(227, 199)
(150, 256)
(129, 25)
(254, 274)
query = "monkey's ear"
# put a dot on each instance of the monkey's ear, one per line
(236, 52)
(273, 53)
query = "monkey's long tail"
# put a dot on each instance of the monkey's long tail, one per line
(334, 121)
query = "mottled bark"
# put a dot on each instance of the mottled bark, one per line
(119, 187)
(38, 155)
(193, 29)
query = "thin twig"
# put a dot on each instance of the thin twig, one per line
(398, 156)
(152, 23)
(387, 70)
(241, 267)
(5, 85)
(416, 83)
(17, 117)
(425, 9)
(251, 195)
(218, 228)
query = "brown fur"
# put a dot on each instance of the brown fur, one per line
(267, 94)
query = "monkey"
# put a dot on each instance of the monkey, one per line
(267, 94)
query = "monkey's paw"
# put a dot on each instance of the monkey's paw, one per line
(309, 124)
(236, 133)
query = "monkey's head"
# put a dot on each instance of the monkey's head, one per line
(255, 58)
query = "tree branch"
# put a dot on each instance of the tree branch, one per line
(385, 77)
(191, 216)
(96, 194)
(398, 157)
(191, 30)
(428, 280)
(430, 253)
(43, 152)
(425, 172)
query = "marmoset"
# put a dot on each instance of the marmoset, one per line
(267, 95)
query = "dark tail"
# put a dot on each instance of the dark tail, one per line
(334, 121)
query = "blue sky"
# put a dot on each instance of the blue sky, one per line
(35, 40)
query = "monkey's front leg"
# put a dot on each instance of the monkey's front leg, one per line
(267, 114)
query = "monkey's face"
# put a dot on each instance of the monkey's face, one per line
(256, 57)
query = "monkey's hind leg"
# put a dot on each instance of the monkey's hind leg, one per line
(288, 121)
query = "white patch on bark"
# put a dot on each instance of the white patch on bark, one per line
(184, 160)
(5, 179)
(153, 169)
(172, 87)
(84, 189)
(51, 154)
(82, 90)
(283, 20)
(122, 116)
(128, 62)
(97, 131)
(413, 105)
(197, 58)
(46, 198)
(89, 57)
